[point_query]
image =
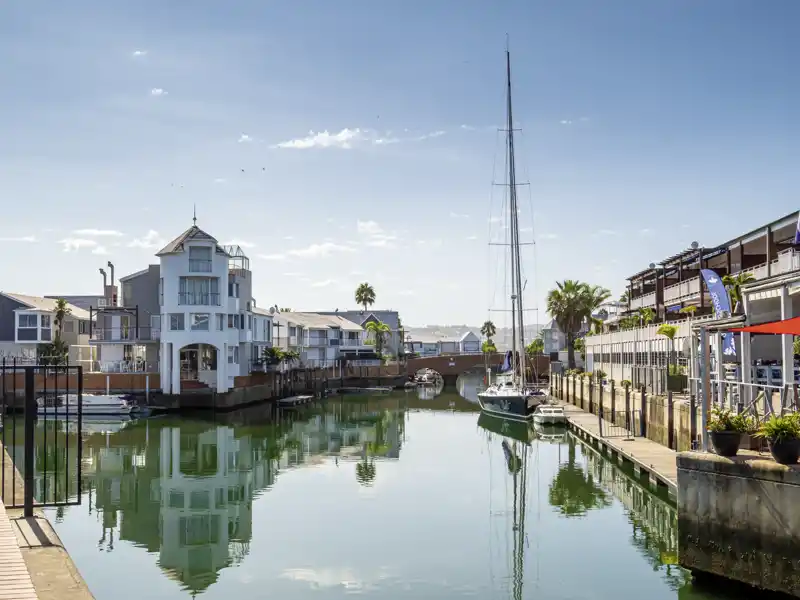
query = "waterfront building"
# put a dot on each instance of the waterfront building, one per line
(321, 340)
(427, 345)
(84, 301)
(641, 354)
(394, 340)
(27, 321)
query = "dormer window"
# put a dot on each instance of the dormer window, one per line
(199, 259)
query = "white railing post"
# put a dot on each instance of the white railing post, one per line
(705, 384)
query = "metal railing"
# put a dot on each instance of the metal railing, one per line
(41, 446)
(198, 299)
(125, 334)
(200, 265)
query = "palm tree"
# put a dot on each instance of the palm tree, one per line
(734, 283)
(61, 312)
(688, 310)
(571, 304)
(379, 332)
(624, 297)
(488, 347)
(536, 346)
(365, 295)
(488, 329)
(668, 331)
(574, 492)
(647, 315)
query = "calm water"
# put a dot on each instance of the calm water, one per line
(385, 497)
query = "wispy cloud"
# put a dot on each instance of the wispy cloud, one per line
(138, 53)
(99, 250)
(406, 293)
(495, 219)
(71, 244)
(288, 237)
(21, 239)
(272, 256)
(574, 121)
(606, 232)
(151, 240)
(220, 180)
(158, 92)
(241, 243)
(455, 215)
(347, 139)
(645, 231)
(548, 236)
(374, 235)
(324, 283)
(244, 138)
(472, 237)
(98, 232)
(324, 139)
(320, 250)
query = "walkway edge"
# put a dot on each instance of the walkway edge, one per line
(615, 447)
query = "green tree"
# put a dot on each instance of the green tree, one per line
(573, 491)
(365, 295)
(61, 312)
(688, 310)
(379, 332)
(624, 297)
(647, 315)
(488, 329)
(571, 304)
(668, 331)
(734, 283)
(488, 347)
(535, 347)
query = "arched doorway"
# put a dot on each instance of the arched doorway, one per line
(198, 362)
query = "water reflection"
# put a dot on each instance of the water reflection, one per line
(574, 490)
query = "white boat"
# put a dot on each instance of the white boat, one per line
(549, 414)
(91, 404)
(510, 395)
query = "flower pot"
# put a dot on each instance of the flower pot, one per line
(726, 443)
(785, 452)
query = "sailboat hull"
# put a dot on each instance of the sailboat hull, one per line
(507, 405)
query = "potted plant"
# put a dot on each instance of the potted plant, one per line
(783, 436)
(725, 429)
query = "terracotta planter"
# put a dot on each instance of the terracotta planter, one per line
(785, 452)
(726, 443)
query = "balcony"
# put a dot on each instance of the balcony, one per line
(293, 340)
(351, 343)
(758, 272)
(679, 291)
(125, 335)
(317, 342)
(198, 299)
(200, 266)
(644, 301)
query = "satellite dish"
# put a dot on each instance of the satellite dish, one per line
(695, 245)
(272, 310)
(652, 265)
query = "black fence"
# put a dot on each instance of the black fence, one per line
(41, 416)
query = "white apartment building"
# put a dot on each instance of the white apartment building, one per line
(320, 340)
(208, 327)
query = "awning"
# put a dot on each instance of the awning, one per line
(787, 327)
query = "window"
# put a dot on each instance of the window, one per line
(198, 291)
(220, 322)
(69, 326)
(26, 321)
(45, 321)
(199, 321)
(161, 292)
(200, 259)
(250, 322)
(234, 322)
(176, 321)
(233, 289)
(233, 355)
(83, 327)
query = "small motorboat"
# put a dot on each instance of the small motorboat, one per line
(293, 401)
(67, 405)
(549, 414)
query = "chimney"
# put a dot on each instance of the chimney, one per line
(111, 290)
(105, 281)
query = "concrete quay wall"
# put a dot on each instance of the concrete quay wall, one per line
(739, 518)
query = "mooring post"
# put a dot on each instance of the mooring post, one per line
(591, 395)
(628, 424)
(613, 402)
(670, 421)
(643, 413)
(693, 421)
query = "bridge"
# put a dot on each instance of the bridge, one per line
(453, 365)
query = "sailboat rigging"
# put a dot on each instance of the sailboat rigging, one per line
(510, 395)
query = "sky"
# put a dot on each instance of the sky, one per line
(349, 141)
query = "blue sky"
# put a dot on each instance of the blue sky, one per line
(645, 125)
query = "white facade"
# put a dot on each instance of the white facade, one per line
(320, 340)
(467, 343)
(207, 322)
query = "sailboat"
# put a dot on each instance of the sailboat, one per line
(510, 396)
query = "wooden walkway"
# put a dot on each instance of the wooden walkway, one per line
(658, 461)
(15, 581)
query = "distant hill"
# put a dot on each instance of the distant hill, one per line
(502, 338)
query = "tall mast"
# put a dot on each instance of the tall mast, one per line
(516, 278)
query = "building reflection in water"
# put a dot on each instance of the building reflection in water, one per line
(185, 489)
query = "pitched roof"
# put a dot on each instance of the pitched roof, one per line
(194, 233)
(316, 321)
(45, 304)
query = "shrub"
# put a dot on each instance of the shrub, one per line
(726, 420)
(626, 383)
(780, 429)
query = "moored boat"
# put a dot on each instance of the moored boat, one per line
(90, 404)
(549, 414)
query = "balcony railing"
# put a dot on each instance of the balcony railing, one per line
(198, 299)
(199, 266)
(643, 301)
(317, 341)
(351, 343)
(125, 334)
(684, 289)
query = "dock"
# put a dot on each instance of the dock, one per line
(15, 580)
(293, 401)
(648, 457)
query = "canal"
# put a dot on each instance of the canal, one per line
(406, 496)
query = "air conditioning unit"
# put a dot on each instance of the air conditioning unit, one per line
(101, 303)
